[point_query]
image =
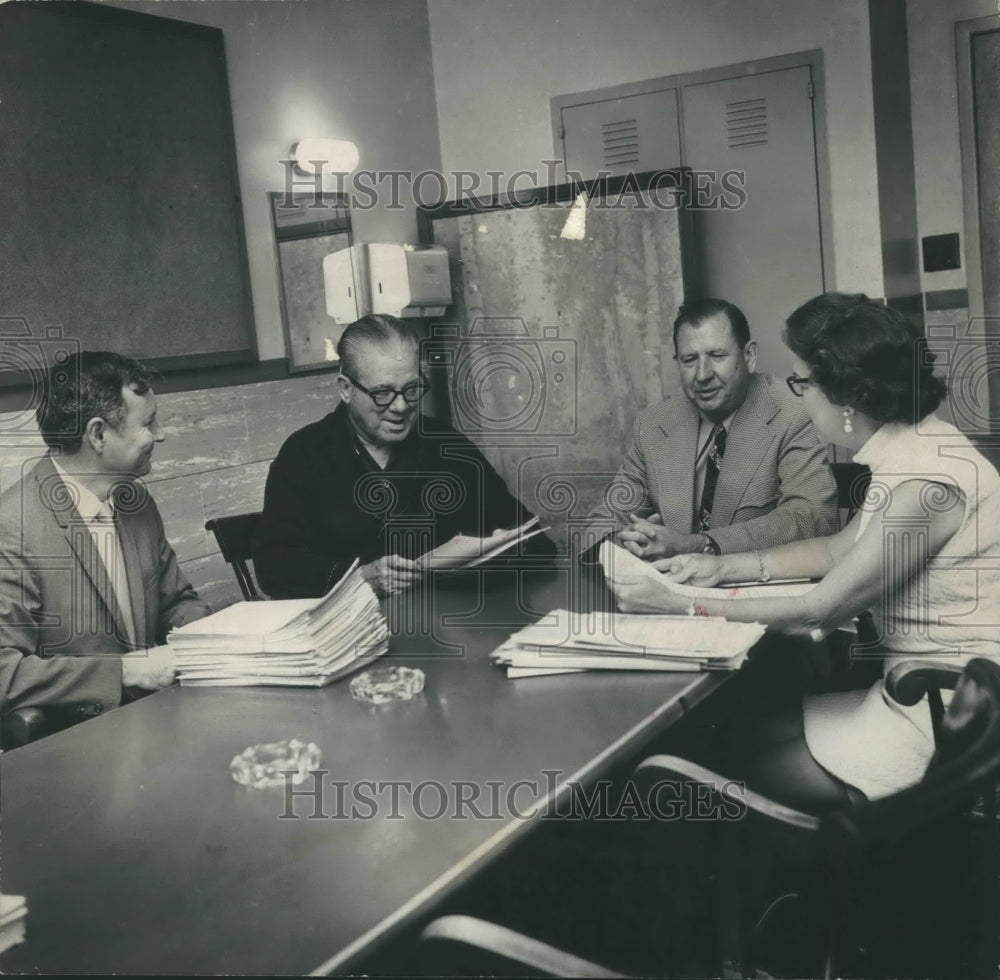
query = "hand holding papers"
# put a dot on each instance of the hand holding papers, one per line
(641, 588)
(468, 552)
(294, 642)
(563, 641)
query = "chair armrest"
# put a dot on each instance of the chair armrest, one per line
(24, 725)
(666, 766)
(500, 941)
(908, 682)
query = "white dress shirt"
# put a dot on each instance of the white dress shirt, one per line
(98, 515)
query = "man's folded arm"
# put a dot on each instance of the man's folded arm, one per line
(627, 493)
(30, 680)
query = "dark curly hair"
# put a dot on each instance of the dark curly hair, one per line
(867, 356)
(87, 385)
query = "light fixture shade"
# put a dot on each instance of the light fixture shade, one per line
(328, 156)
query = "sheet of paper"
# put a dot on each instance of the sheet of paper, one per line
(463, 551)
(622, 566)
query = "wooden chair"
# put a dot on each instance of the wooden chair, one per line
(903, 886)
(24, 725)
(235, 537)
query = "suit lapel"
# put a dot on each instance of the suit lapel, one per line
(746, 445)
(675, 467)
(53, 495)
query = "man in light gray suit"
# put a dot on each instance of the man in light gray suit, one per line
(88, 583)
(735, 465)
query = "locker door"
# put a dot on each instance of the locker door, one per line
(766, 255)
(630, 134)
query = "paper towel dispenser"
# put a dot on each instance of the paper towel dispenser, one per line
(386, 277)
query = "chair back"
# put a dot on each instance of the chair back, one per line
(852, 481)
(922, 867)
(235, 537)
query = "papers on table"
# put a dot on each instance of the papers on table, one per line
(564, 641)
(621, 566)
(286, 642)
(13, 911)
(468, 552)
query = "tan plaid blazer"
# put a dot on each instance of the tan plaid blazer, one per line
(774, 486)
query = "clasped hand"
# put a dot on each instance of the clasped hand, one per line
(649, 539)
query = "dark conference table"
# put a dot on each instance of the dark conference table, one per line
(138, 853)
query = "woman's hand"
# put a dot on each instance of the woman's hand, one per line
(640, 595)
(703, 570)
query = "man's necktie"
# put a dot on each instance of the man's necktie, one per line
(114, 564)
(716, 450)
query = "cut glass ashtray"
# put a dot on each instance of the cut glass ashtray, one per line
(383, 684)
(273, 763)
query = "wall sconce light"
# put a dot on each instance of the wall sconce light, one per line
(327, 156)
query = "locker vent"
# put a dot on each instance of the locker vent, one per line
(746, 123)
(620, 142)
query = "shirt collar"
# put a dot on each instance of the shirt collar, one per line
(872, 450)
(88, 504)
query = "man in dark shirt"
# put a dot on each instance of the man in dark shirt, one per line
(375, 480)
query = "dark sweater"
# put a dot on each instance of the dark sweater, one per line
(326, 503)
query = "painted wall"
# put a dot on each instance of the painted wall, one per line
(937, 150)
(497, 63)
(340, 68)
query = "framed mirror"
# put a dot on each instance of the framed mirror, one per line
(305, 231)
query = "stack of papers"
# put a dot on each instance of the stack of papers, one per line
(468, 552)
(566, 641)
(13, 911)
(286, 642)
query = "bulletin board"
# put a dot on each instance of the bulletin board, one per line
(122, 223)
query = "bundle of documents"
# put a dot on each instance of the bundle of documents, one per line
(286, 642)
(621, 566)
(566, 641)
(463, 551)
(13, 911)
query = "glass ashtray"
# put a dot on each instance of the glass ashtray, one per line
(273, 763)
(379, 685)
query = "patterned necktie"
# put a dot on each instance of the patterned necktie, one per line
(716, 450)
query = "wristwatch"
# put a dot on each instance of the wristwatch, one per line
(710, 547)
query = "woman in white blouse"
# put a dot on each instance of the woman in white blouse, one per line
(923, 553)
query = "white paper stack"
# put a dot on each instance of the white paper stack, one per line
(285, 642)
(565, 641)
(13, 912)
